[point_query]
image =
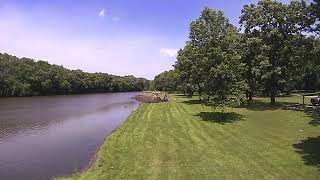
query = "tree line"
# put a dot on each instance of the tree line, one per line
(275, 50)
(27, 77)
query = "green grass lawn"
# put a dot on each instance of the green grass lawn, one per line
(183, 139)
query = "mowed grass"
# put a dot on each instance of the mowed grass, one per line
(183, 139)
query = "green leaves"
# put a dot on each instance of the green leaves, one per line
(211, 60)
(279, 28)
(268, 57)
(167, 81)
(25, 77)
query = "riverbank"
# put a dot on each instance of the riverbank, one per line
(183, 139)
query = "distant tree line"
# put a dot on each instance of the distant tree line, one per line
(26, 77)
(276, 50)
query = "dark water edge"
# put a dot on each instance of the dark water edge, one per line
(49, 136)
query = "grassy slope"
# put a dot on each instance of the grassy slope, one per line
(184, 140)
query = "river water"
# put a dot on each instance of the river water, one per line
(45, 137)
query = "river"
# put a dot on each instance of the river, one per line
(49, 136)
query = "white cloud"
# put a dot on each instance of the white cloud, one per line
(102, 13)
(167, 52)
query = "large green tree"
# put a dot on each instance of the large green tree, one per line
(252, 55)
(278, 26)
(217, 45)
(190, 63)
(167, 81)
(310, 79)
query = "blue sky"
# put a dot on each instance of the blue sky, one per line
(132, 37)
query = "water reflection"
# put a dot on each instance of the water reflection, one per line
(43, 137)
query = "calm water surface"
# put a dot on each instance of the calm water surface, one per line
(45, 137)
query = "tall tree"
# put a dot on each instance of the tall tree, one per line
(218, 47)
(277, 24)
(310, 79)
(167, 81)
(252, 55)
(190, 64)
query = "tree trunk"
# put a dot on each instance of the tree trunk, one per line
(223, 118)
(199, 91)
(273, 97)
(250, 96)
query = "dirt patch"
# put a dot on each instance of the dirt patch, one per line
(150, 97)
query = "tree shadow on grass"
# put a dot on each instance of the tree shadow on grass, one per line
(314, 114)
(258, 105)
(220, 118)
(193, 101)
(310, 111)
(309, 150)
(181, 95)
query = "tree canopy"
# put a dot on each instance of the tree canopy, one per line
(218, 61)
(167, 81)
(26, 77)
(275, 51)
(280, 27)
